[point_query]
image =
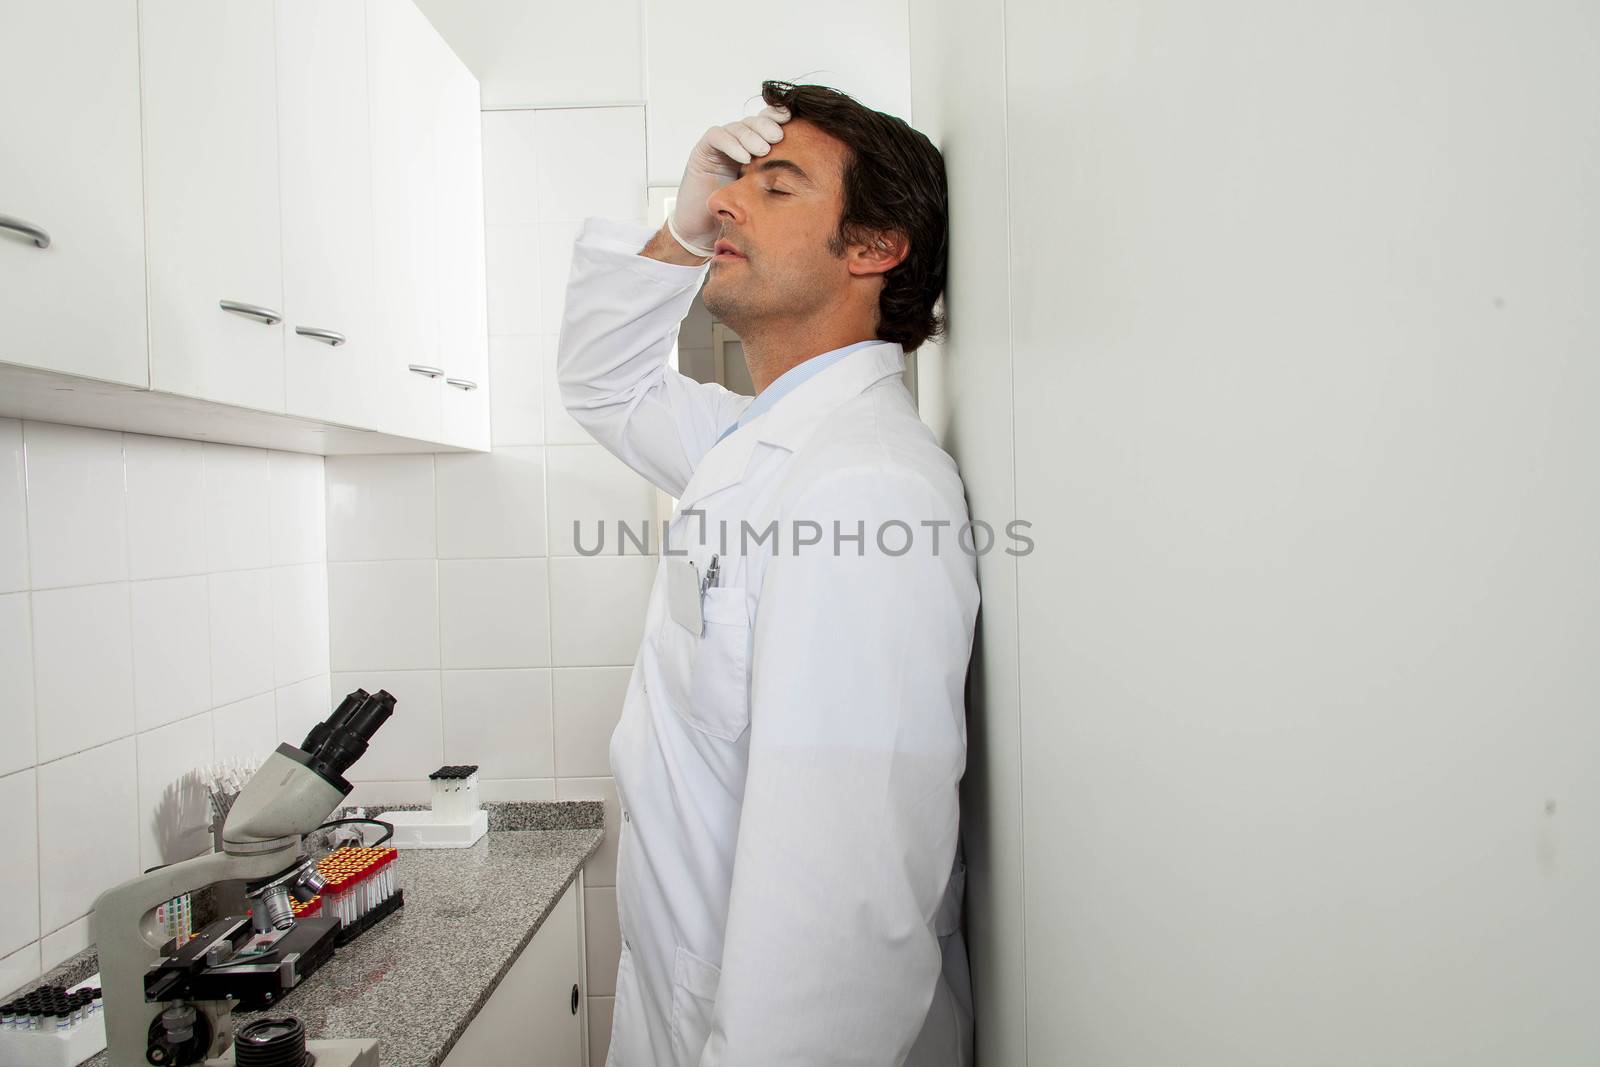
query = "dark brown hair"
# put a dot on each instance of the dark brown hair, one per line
(893, 183)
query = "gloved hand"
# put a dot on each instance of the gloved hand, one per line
(714, 163)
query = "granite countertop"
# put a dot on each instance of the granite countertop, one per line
(415, 980)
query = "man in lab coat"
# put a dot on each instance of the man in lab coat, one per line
(793, 735)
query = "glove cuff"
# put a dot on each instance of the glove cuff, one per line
(691, 248)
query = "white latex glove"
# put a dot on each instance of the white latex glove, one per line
(715, 162)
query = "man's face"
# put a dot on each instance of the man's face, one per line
(779, 216)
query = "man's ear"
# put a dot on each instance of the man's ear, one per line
(881, 254)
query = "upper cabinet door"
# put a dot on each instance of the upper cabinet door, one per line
(72, 293)
(404, 81)
(463, 307)
(211, 196)
(325, 156)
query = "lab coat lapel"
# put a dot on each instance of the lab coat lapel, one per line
(793, 419)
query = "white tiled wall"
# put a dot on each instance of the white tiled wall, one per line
(163, 604)
(454, 581)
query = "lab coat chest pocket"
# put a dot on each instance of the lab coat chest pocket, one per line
(708, 676)
(694, 995)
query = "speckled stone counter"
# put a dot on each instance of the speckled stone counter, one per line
(418, 978)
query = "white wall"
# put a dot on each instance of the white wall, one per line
(454, 581)
(528, 54)
(162, 605)
(965, 394)
(1302, 342)
(694, 62)
(706, 60)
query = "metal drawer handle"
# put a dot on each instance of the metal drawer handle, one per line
(36, 234)
(423, 368)
(317, 333)
(252, 311)
(461, 383)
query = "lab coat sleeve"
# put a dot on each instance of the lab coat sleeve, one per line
(850, 811)
(617, 332)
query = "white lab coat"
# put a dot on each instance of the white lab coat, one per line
(788, 884)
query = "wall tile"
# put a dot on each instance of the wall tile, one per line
(380, 507)
(555, 264)
(602, 939)
(560, 428)
(301, 706)
(88, 829)
(611, 139)
(510, 167)
(171, 649)
(516, 368)
(77, 510)
(511, 254)
(298, 508)
(595, 489)
(384, 616)
(16, 694)
(299, 622)
(600, 603)
(58, 946)
(19, 874)
(491, 505)
(82, 667)
(601, 869)
(415, 791)
(238, 506)
(494, 613)
(526, 790)
(20, 968)
(166, 506)
(248, 729)
(241, 634)
(588, 705)
(600, 1017)
(174, 809)
(501, 721)
(13, 508)
(410, 745)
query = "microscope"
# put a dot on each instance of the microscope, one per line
(177, 1009)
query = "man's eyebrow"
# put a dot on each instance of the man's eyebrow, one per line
(784, 165)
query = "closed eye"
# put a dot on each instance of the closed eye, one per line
(780, 192)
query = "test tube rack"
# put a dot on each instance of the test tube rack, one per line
(456, 818)
(361, 889)
(53, 1026)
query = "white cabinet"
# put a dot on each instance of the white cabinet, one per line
(462, 282)
(218, 205)
(427, 203)
(536, 1016)
(404, 76)
(69, 168)
(325, 156)
(211, 200)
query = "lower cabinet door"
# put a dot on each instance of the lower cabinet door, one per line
(530, 1019)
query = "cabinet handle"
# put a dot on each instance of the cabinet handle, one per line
(423, 368)
(574, 1000)
(461, 383)
(252, 311)
(317, 333)
(36, 234)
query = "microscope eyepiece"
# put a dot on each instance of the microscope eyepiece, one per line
(348, 734)
(319, 733)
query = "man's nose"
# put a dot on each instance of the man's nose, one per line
(727, 203)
